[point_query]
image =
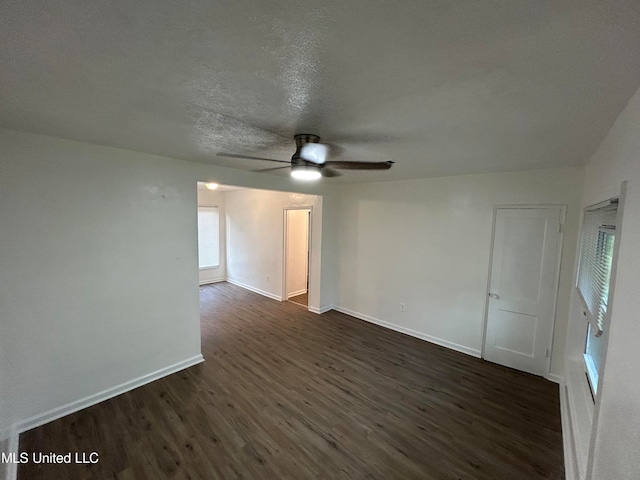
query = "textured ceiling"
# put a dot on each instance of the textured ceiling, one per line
(441, 88)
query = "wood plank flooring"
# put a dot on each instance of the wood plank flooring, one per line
(302, 299)
(287, 394)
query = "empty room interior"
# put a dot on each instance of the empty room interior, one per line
(333, 240)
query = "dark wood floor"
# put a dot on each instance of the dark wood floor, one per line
(287, 394)
(302, 299)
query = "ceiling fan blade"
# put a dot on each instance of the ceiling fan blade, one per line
(248, 157)
(270, 169)
(335, 150)
(360, 165)
(329, 172)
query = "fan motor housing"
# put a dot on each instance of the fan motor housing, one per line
(302, 138)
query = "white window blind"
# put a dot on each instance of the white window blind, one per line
(208, 237)
(596, 255)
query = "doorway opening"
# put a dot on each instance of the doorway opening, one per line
(245, 230)
(297, 255)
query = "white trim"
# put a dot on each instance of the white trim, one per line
(12, 437)
(321, 310)
(568, 442)
(556, 290)
(14, 446)
(295, 294)
(595, 418)
(285, 227)
(254, 290)
(559, 379)
(76, 405)
(213, 280)
(407, 331)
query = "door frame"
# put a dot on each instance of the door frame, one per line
(284, 248)
(561, 221)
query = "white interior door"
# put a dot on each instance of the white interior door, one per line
(522, 287)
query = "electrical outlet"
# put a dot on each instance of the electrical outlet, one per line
(403, 307)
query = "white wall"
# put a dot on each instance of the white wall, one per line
(615, 441)
(98, 262)
(255, 240)
(297, 252)
(98, 267)
(426, 243)
(215, 198)
(4, 448)
(328, 257)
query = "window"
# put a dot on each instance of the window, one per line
(594, 275)
(208, 237)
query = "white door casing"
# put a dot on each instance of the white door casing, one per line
(523, 285)
(296, 251)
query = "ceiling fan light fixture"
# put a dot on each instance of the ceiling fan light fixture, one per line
(305, 172)
(314, 152)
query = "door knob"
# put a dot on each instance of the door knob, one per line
(494, 295)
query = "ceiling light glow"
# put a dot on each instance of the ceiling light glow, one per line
(305, 172)
(211, 186)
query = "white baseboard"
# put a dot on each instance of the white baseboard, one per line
(407, 331)
(321, 309)
(254, 290)
(90, 400)
(210, 281)
(295, 294)
(559, 379)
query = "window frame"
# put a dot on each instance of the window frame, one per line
(606, 215)
(589, 278)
